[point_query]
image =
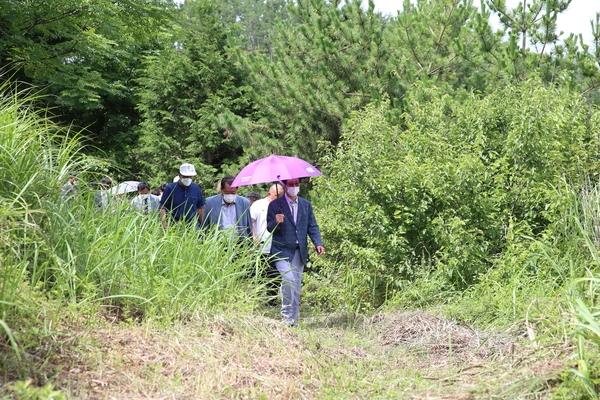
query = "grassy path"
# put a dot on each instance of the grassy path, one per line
(387, 356)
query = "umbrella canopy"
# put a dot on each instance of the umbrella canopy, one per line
(124, 187)
(274, 168)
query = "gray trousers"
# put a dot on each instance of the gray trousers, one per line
(291, 285)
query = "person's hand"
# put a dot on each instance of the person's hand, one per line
(165, 224)
(320, 250)
(279, 218)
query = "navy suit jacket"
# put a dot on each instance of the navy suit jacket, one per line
(212, 214)
(287, 234)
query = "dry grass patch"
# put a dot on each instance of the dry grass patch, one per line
(438, 337)
(388, 356)
(205, 358)
(462, 362)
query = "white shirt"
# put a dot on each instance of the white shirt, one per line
(145, 206)
(258, 213)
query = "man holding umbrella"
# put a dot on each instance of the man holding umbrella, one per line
(291, 221)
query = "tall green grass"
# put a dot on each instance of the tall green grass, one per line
(586, 292)
(35, 157)
(120, 258)
(75, 256)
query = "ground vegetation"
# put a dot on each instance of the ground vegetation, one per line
(459, 203)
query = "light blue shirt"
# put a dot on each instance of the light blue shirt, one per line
(228, 214)
(293, 204)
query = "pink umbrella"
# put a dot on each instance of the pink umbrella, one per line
(273, 169)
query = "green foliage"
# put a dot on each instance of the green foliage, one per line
(328, 59)
(85, 56)
(444, 43)
(583, 225)
(184, 90)
(58, 251)
(256, 21)
(533, 46)
(449, 193)
(25, 391)
(332, 58)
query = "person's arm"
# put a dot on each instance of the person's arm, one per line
(254, 232)
(313, 231)
(249, 223)
(253, 216)
(272, 217)
(200, 206)
(163, 205)
(163, 217)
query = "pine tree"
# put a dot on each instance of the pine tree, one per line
(329, 59)
(184, 90)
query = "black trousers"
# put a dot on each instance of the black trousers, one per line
(271, 276)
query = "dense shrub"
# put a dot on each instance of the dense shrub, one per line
(441, 193)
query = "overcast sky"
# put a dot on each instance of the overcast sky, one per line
(575, 20)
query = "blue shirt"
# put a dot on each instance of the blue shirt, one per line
(182, 202)
(228, 214)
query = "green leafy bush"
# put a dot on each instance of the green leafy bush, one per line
(439, 194)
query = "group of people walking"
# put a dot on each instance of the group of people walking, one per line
(280, 223)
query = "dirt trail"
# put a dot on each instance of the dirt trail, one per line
(388, 356)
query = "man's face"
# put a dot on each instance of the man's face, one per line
(273, 194)
(228, 189)
(293, 183)
(144, 191)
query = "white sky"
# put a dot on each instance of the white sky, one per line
(575, 20)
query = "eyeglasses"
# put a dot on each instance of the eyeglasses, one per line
(292, 184)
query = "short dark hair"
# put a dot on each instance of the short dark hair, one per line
(163, 186)
(285, 181)
(253, 196)
(227, 180)
(105, 182)
(143, 185)
(155, 192)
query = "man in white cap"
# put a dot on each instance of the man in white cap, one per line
(182, 199)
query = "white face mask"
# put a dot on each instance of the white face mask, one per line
(144, 196)
(229, 198)
(293, 191)
(186, 181)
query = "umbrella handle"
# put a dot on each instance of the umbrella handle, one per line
(277, 193)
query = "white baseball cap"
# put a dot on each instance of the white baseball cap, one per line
(187, 170)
